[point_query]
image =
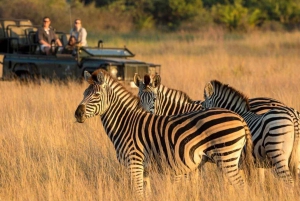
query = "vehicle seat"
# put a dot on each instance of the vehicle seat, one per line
(6, 24)
(17, 37)
(2, 32)
(33, 42)
(25, 22)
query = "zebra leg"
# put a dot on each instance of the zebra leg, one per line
(146, 179)
(200, 169)
(231, 171)
(179, 178)
(280, 161)
(282, 170)
(136, 174)
(279, 150)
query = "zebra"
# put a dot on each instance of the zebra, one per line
(180, 141)
(163, 100)
(261, 105)
(145, 93)
(274, 137)
(168, 99)
(258, 105)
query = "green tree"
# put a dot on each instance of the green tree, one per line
(142, 15)
(211, 3)
(163, 13)
(233, 16)
(285, 11)
(172, 13)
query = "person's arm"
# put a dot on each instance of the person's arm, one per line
(54, 36)
(58, 42)
(83, 39)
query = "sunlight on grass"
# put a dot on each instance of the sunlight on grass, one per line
(45, 155)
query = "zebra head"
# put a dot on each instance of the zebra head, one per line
(146, 95)
(95, 97)
(217, 94)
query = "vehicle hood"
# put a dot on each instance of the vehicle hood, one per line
(113, 60)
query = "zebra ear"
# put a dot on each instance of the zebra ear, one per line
(208, 90)
(100, 78)
(136, 79)
(156, 80)
(87, 75)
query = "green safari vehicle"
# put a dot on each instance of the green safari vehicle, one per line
(21, 57)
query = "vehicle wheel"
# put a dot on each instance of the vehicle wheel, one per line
(25, 77)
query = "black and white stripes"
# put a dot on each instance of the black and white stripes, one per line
(179, 142)
(274, 133)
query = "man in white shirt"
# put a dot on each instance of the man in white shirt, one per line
(79, 32)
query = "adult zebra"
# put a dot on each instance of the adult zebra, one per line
(274, 136)
(165, 101)
(161, 100)
(179, 141)
(147, 97)
(261, 105)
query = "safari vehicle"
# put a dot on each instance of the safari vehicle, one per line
(23, 59)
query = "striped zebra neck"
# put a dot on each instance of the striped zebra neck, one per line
(229, 98)
(123, 107)
(172, 101)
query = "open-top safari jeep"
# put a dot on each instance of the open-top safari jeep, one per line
(22, 57)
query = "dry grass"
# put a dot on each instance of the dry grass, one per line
(45, 155)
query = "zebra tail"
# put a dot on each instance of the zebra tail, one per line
(294, 158)
(248, 162)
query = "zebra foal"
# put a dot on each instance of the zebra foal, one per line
(274, 133)
(181, 141)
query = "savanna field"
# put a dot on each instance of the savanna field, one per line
(45, 155)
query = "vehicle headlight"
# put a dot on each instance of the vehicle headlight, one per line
(113, 71)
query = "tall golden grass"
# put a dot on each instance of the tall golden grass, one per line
(45, 155)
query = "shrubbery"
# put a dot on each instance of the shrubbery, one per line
(130, 15)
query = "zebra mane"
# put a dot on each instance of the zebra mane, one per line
(111, 81)
(220, 86)
(183, 96)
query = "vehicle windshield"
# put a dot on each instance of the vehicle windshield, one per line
(109, 52)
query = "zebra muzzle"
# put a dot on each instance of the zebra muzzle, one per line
(80, 113)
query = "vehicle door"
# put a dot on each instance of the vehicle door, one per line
(60, 67)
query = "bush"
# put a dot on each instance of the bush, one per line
(232, 16)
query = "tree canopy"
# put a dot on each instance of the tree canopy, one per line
(164, 14)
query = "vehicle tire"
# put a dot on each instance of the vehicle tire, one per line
(25, 77)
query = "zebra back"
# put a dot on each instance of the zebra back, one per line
(261, 105)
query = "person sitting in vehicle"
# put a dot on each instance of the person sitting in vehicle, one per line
(71, 46)
(46, 35)
(79, 32)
